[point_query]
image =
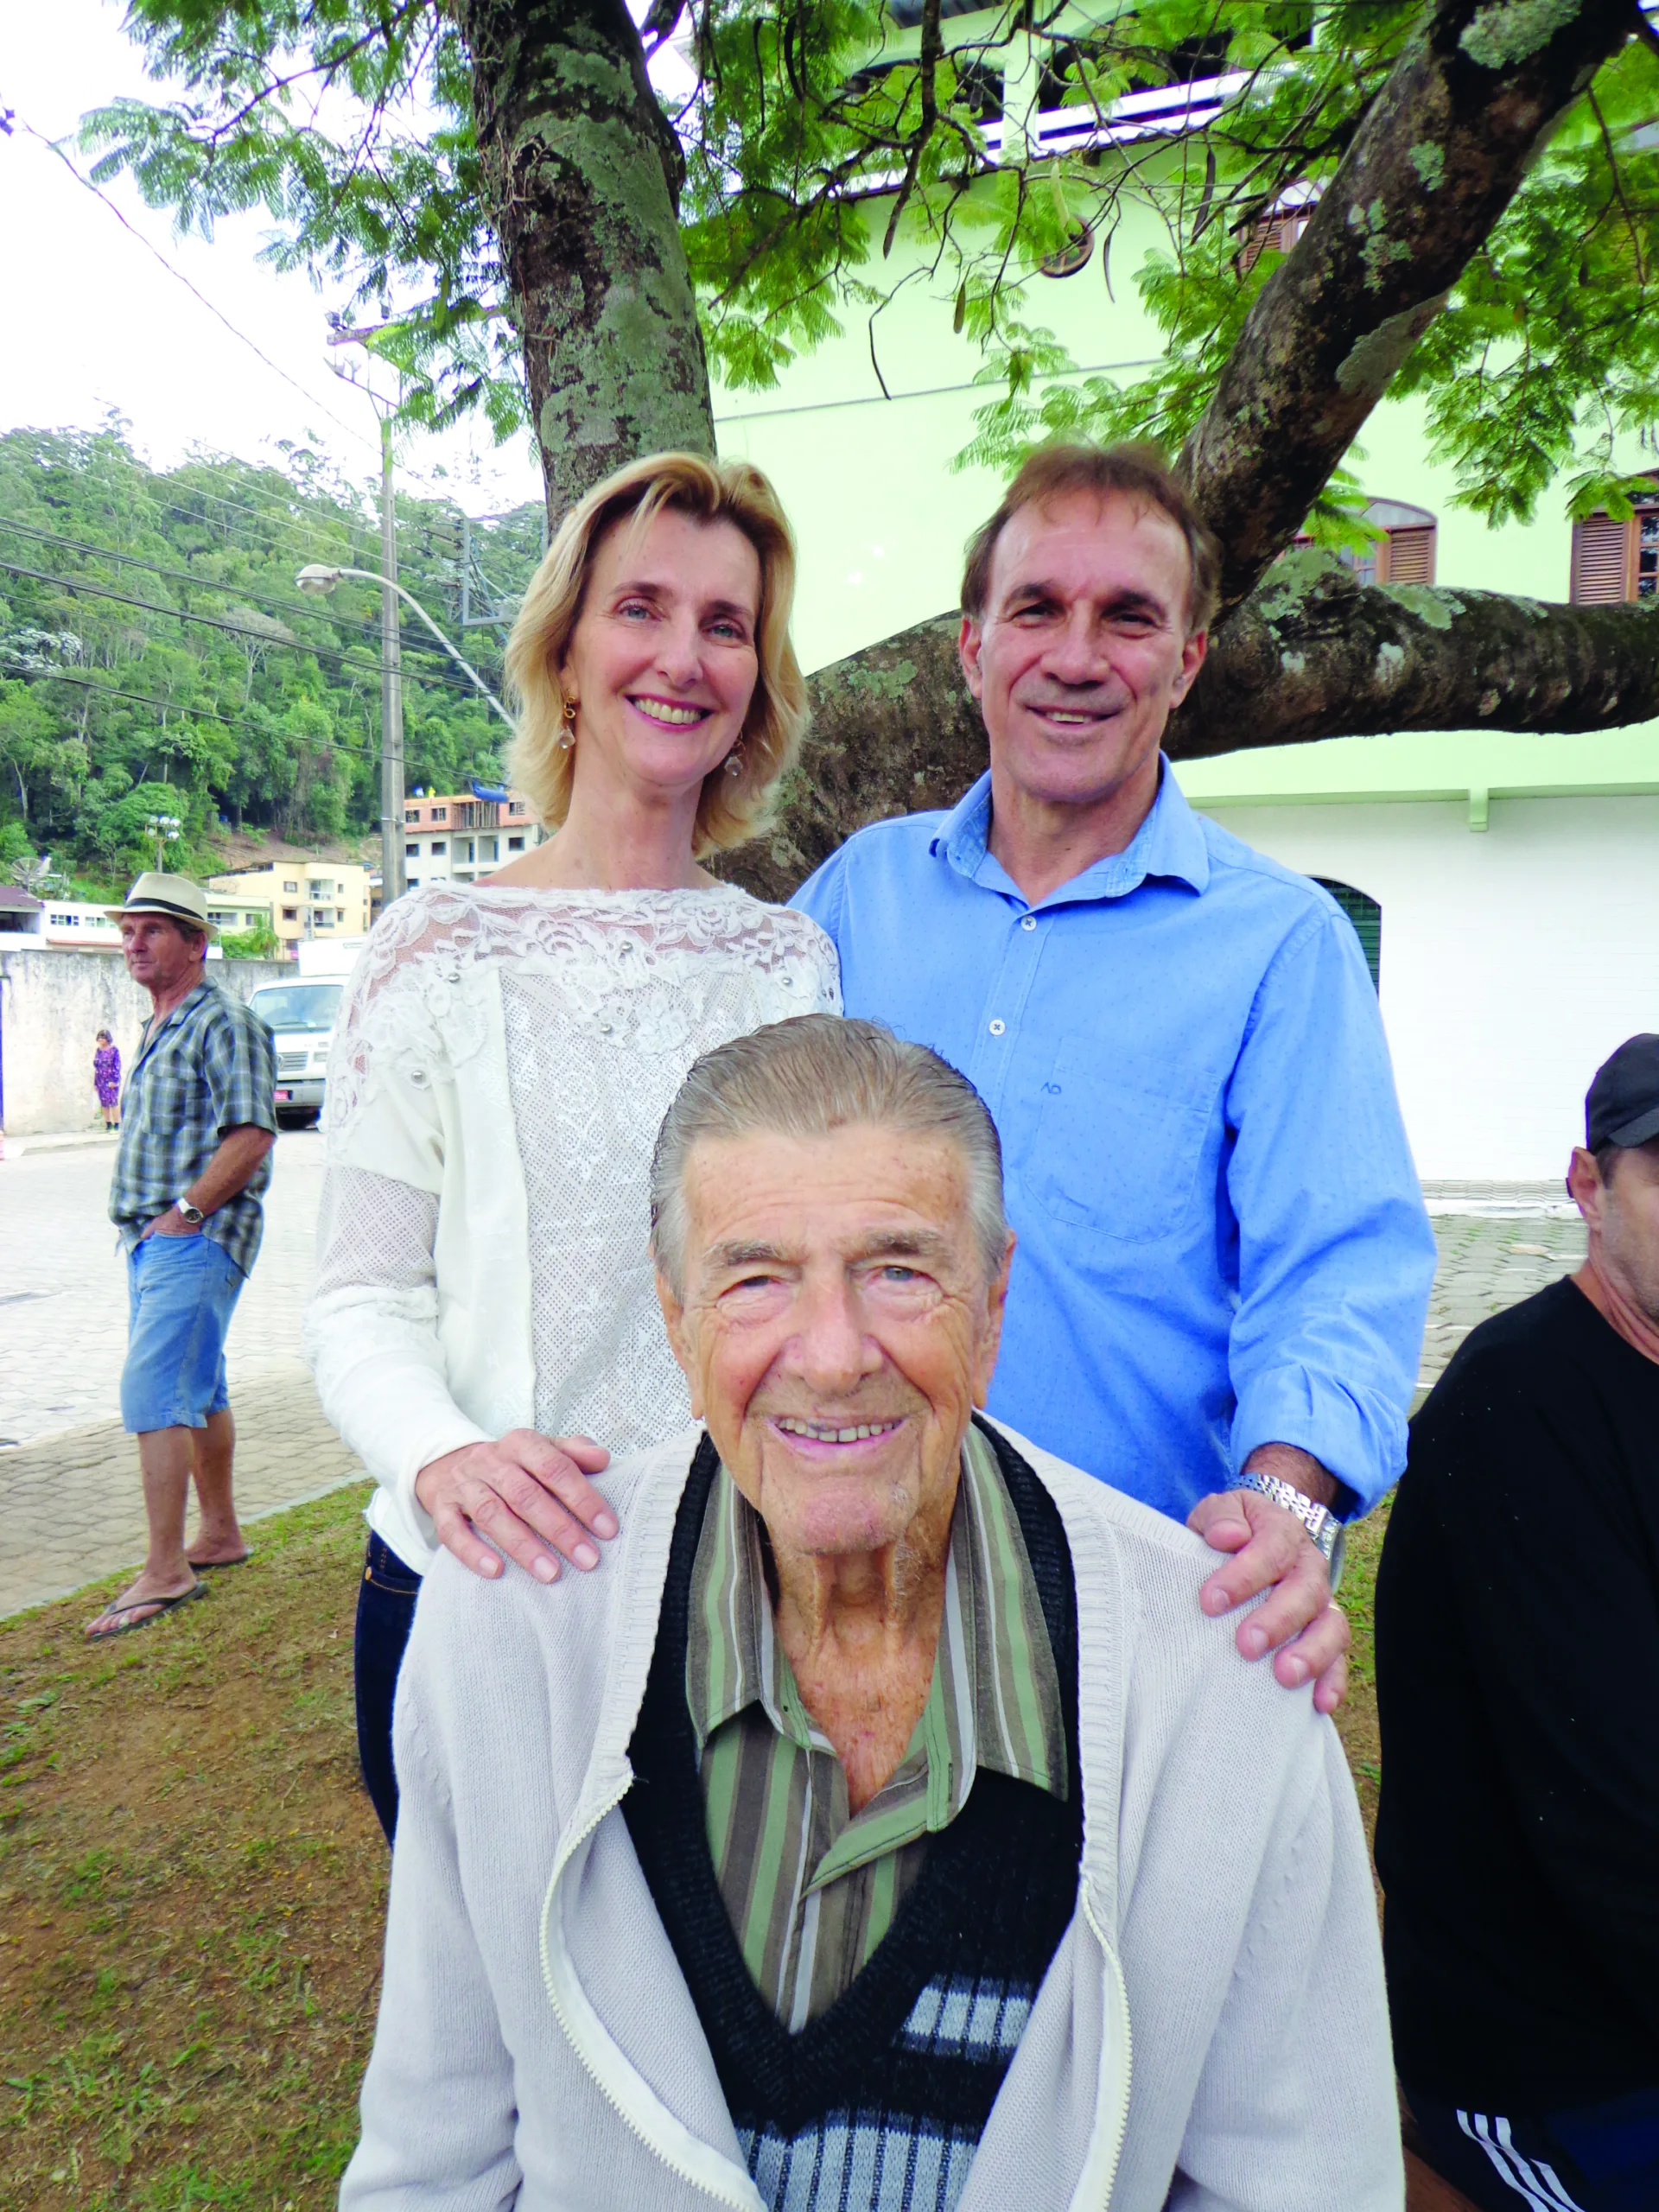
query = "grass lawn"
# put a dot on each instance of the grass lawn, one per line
(191, 1885)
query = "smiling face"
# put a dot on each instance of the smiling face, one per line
(837, 1329)
(1082, 649)
(662, 662)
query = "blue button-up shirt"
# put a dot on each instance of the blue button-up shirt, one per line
(1222, 1240)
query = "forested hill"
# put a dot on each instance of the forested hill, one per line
(156, 656)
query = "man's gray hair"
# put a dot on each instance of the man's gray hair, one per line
(806, 1078)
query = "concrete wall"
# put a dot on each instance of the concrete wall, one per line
(51, 1007)
(1514, 959)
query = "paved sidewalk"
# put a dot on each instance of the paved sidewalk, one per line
(70, 1501)
(72, 1507)
(1522, 1237)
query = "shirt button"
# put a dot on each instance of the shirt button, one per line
(997, 1028)
(1028, 922)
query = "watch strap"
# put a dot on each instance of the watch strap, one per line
(1321, 1524)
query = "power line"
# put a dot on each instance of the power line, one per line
(212, 622)
(203, 714)
(178, 274)
(200, 584)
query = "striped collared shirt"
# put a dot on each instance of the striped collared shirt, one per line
(811, 1889)
(207, 1068)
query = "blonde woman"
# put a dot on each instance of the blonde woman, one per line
(485, 1305)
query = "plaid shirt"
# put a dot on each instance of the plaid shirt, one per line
(811, 1888)
(207, 1069)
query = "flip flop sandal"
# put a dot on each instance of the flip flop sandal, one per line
(149, 1609)
(217, 1566)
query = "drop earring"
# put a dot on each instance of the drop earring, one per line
(734, 759)
(568, 734)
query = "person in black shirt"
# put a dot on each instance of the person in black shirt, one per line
(1518, 1675)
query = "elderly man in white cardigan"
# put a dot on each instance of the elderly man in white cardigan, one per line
(887, 1828)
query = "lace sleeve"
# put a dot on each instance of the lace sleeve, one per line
(373, 1232)
(372, 1336)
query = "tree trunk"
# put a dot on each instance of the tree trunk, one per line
(580, 175)
(1438, 156)
(1312, 654)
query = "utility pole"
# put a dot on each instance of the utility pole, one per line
(391, 686)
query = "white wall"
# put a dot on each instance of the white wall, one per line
(51, 1007)
(1514, 959)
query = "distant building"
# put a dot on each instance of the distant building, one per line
(78, 925)
(19, 917)
(237, 918)
(458, 836)
(301, 900)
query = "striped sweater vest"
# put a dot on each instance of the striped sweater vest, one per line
(877, 2105)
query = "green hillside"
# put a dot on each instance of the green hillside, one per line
(157, 657)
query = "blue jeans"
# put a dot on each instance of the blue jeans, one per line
(1591, 2159)
(386, 1614)
(181, 1292)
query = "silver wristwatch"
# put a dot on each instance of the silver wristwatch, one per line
(194, 1215)
(1327, 1532)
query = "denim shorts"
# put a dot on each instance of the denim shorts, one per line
(181, 1292)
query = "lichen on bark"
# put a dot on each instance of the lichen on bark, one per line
(582, 172)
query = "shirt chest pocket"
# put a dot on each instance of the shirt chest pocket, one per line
(1114, 1155)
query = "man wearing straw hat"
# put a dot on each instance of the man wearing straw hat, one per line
(196, 1132)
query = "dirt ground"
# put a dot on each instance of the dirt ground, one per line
(192, 1886)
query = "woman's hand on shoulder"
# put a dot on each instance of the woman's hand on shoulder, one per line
(529, 1494)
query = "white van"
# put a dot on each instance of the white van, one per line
(300, 1020)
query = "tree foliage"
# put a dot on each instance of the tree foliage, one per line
(155, 657)
(350, 122)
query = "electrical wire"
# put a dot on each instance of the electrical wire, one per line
(202, 714)
(200, 584)
(237, 630)
(178, 274)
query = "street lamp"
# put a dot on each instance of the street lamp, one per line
(164, 829)
(319, 580)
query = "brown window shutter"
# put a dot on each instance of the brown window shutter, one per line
(1411, 555)
(1601, 560)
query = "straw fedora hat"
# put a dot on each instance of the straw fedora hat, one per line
(174, 896)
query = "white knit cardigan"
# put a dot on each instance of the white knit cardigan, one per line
(1212, 2034)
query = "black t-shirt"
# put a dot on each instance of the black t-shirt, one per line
(1517, 1670)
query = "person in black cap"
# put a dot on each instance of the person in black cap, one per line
(1517, 1676)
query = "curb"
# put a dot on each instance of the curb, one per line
(69, 1141)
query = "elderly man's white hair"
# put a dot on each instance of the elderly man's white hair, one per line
(805, 1078)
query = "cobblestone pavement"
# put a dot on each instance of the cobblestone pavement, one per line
(70, 1501)
(63, 1288)
(73, 1510)
(69, 1494)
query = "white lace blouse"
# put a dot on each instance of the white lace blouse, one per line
(503, 1060)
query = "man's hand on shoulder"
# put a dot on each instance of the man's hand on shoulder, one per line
(528, 1493)
(1272, 1551)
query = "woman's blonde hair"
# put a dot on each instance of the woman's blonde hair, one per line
(731, 808)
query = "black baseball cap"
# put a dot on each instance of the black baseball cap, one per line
(1621, 1106)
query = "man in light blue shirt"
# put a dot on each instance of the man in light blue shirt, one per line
(1223, 1261)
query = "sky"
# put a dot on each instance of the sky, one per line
(94, 321)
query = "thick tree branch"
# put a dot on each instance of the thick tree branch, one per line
(1312, 654)
(1438, 156)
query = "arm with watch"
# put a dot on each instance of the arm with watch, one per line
(1282, 1525)
(230, 1169)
